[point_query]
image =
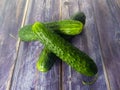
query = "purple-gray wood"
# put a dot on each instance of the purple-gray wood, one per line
(107, 15)
(100, 39)
(26, 76)
(88, 42)
(11, 13)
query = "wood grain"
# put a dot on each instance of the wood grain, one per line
(107, 15)
(26, 76)
(88, 42)
(11, 13)
(100, 39)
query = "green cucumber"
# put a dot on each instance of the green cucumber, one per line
(77, 59)
(46, 60)
(80, 16)
(26, 34)
(46, 57)
(68, 27)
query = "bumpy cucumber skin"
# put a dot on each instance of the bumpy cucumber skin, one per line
(46, 60)
(67, 27)
(77, 59)
(46, 57)
(26, 34)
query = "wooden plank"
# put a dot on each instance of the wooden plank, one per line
(88, 42)
(26, 76)
(11, 12)
(107, 15)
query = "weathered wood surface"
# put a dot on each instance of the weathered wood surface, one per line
(107, 13)
(100, 40)
(11, 14)
(26, 76)
(88, 42)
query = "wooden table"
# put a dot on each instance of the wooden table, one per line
(100, 40)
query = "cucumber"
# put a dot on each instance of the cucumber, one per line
(77, 59)
(46, 60)
(26, 34)
(46, 57)
(68, 27)
(80, 16)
